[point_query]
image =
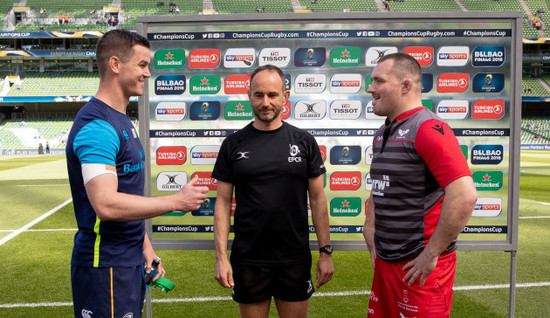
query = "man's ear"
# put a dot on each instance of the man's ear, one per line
(407, 85)
(114, 64)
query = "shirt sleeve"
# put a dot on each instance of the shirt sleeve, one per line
(222, 168)
(316, 167)
(438, 147)
(97, 142)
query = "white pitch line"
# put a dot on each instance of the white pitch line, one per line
(534, 217)
(43, 185)
(33, 222)
(40, 230)
(318, 294)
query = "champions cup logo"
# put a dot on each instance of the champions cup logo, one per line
(349, 207)
(453, 82)
(310, 57)
(345, 109)
(204, 58)
(345, 83)
(236, 84)
(169, 59)
(310, 83)
(453, 56)
(209, 110)
(376, 52)
(279, 57)
(488, 109)
(424, 55)
(488, 56)
(345, 181)
(488, 83)
(427, 82)
(171, 181)
(170, 111)
(345, 155)
(206, 208)
(452, 109)
(204, 84)
(315, 109)
(236, 58)
(175, 155)
(488, 207)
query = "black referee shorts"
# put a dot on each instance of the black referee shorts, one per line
(254, 284)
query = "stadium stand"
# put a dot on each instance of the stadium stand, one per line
(56, 84)
(252, 6)
(341, 5)
(29, 134)
(535, 130)
(533, 87)
(421, 5)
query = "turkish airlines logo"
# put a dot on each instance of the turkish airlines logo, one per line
(345, 83)
(452, 109)
(204, 58)
(374, 54)
(170, 111)
(279, 57)
(205, 179)
(453, 56)
(236, 84)
(285, 110)
(235, 58)
(345, 181)
(453, 82)
(310, 83)
(173, 155)
(424, 55)
(488, 109)
(323, 150)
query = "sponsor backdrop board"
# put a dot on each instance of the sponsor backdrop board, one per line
(197, 96)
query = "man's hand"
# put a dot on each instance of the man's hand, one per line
(150, 256)
(325, 269)
(422, 266)
(224, 273)
(191, 197)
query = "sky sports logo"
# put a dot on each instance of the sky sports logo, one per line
(345, 83)
(171, 155)
(169, 59)
(424, 55)
(487, 207)
(279, 57)
(204, 155)
(170, 111)
(238, 58)
(451, 109)
(345, 206)
(369, 112)
(488, 109)
(204, 58)
(345, 180)
(453, 56)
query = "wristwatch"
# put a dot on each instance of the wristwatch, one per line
(326, 249)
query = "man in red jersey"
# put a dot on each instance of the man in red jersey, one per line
(422, 197)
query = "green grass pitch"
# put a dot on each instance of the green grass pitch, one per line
(35, 276)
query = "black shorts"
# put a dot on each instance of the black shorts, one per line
(257, 283)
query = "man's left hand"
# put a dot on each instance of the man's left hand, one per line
(421, 266)
(325, 269)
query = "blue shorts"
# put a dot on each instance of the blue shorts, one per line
(108, 291)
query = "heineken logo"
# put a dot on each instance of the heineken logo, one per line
(349, 206)
(204, 84)
(173, 58)
(345, 56)
(488, 180)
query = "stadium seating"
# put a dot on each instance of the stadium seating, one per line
(532, 87)
(28, 134)
(340, 5)
(56, 84)
(422, 5)
(535, 130)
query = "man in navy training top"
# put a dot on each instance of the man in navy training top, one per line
(272, 166)
(106, 162)
(422, 197)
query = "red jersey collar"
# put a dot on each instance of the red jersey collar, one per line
(407, 114)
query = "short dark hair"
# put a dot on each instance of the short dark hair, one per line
(404, 66)
(269, 67)
(119, 43)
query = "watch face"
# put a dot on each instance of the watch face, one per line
(326, 249)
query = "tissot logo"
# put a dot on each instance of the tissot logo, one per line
(488, 82)
(206, 208)
(427, 82)
(453, 56)
(310, 57)
(204, 155)
(205, 179)
(345, 56)
(488, 180)
(170, 111)
(171, 180)
(488, 56)
(171, 155)
(452, 109)
(310, 83)
(453, 82)
(238, 110)
(204, 58)
(207, 110)
(487, 154)
(345, 83)
(424, 55)
(278, 56)
(345, 181)
(170, 85)
(369, 112)
(349, 206)
(166, 59)
(488, 109)
(234, 58)
(236, 84)
(345, 109)
(310, 109)
(204, 84)
(488, 207)
(376, 52)
(345, 155)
